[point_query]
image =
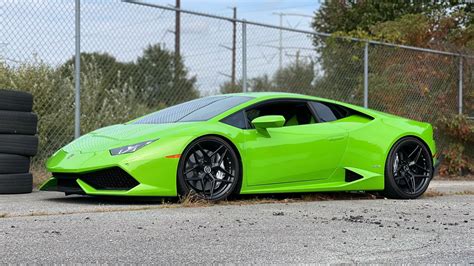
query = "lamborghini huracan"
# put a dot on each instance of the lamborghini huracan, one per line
(250, 143)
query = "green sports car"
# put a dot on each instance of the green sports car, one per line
(250, 143)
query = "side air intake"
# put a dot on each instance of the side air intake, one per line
(352, 176)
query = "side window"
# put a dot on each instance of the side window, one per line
(236, 120)
(328, 112)
(295, 112)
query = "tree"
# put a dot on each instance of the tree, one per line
(108, 65)
(439, 25)
(297, 77)
(449, 21)
(262, 83)
(350, 15)
(257, 84)
(162, 78)
(228, 87)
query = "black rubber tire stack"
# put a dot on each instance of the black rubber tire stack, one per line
(18, 141)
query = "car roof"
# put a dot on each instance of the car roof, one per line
(270, 95)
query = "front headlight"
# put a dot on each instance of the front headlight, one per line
(130, 148)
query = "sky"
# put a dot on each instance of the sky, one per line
(261, 11)
(44, 30)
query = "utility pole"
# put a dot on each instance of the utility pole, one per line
(177, 30)
(177, 44)
(234, 45)
(280, 43)
(77, 71)
(232, 48)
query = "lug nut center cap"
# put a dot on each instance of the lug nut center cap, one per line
(207, 169)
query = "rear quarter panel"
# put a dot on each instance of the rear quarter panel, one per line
(370, 143)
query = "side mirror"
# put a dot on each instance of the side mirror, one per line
(268, 121)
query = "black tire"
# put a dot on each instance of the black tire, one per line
(14, 164)
(209, 168)
(19, 144)
(13, 122)
(16, 101)
(16, 183)
(408, 169)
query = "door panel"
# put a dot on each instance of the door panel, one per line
(294, 153)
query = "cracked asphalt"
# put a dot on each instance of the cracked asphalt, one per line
(48, 228)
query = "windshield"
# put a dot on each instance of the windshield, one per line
(201, 109)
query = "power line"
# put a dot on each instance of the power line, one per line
(280, 41)
(233, 49)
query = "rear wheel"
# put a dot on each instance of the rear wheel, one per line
(408, 170)
(209, 168)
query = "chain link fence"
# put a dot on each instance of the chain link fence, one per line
(130, 66)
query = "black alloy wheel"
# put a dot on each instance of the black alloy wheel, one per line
(409, 169)
(209, 168)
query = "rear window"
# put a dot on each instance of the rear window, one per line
(201, 109)
(328, 112)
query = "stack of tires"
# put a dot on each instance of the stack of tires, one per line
(18, 141)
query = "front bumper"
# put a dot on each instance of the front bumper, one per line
(150, 174)
(112, 179)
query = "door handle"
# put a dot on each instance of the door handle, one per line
(336, 138)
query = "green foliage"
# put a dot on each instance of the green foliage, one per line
(52, 101)
(455, 161)
(459, 128)
(297, 77)
(460, 153)
(343, 69)
(410, 28)
(334, 16)
(229, 87)
(350, 15)
(262, 83)
(257, 84)
(162, 75)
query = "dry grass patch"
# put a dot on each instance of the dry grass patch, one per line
(433, 193)
(192, 200)
(189, 201)
(465, 192)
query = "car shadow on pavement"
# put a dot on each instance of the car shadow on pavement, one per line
(94, 200)
(235, 199)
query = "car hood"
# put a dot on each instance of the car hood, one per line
(122, 135)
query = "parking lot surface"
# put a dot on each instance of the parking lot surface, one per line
(50, 228)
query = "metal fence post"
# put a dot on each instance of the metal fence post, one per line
(244, 56)
(366, 75)
(460, 92)
(77, 116)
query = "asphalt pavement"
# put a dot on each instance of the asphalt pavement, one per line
(49, 228)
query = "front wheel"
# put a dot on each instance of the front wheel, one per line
(408, 170)
(209, 168)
